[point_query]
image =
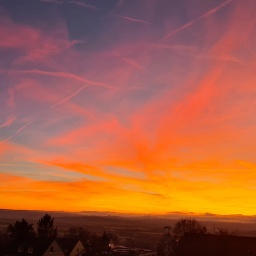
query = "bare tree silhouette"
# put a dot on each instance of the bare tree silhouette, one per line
(188, 226)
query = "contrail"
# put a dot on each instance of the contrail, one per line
(53, 106)
(58, 74)
(79, 3)
(24, 126)
(95, 8)
(7, 139)
(28, 165)
(189, 24)
(82, 4)
(217, 8)
(132, 19)
(134, 64)
(52, 1)
(69, 97)
(18, 131)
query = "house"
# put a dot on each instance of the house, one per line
(216, 245)
(97, 247)
(70, 246)
(147, 253)
(125, 251)
(33, 247)
(92, 252)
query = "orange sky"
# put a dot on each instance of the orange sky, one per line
(127, 106)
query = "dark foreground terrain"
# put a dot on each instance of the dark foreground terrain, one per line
(132, 230)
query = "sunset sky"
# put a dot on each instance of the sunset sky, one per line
(132, 106)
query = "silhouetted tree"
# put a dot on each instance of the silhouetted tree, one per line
(21, 229)
(188, 226)
(160, 246)
(114, 240)
(223, 232)
(45, 228)
(93, 245)
(183, 234)
(105, 240)
(4, 240)
(79, 233)
(165, 245)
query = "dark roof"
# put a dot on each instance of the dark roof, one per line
(212, 245)
(67, 244)
(39, 246)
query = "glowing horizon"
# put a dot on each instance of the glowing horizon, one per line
(128, 106)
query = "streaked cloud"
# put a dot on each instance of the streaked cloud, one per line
(100, 103)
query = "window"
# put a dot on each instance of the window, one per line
(51, 249)
(20, 249)
(30, 250)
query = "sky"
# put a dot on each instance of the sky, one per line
(130, 106)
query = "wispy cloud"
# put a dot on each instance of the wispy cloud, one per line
(58, 74)
(38, 116)
(189, 133)
(34, 44)
(9, 120)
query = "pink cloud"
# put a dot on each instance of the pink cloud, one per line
(17, 36)
(36, 44)
(16, 90)
(9, 121)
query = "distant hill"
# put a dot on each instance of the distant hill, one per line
(130, 227)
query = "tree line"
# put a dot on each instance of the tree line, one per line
(45, 229)
(23, 229)
(174, 241)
